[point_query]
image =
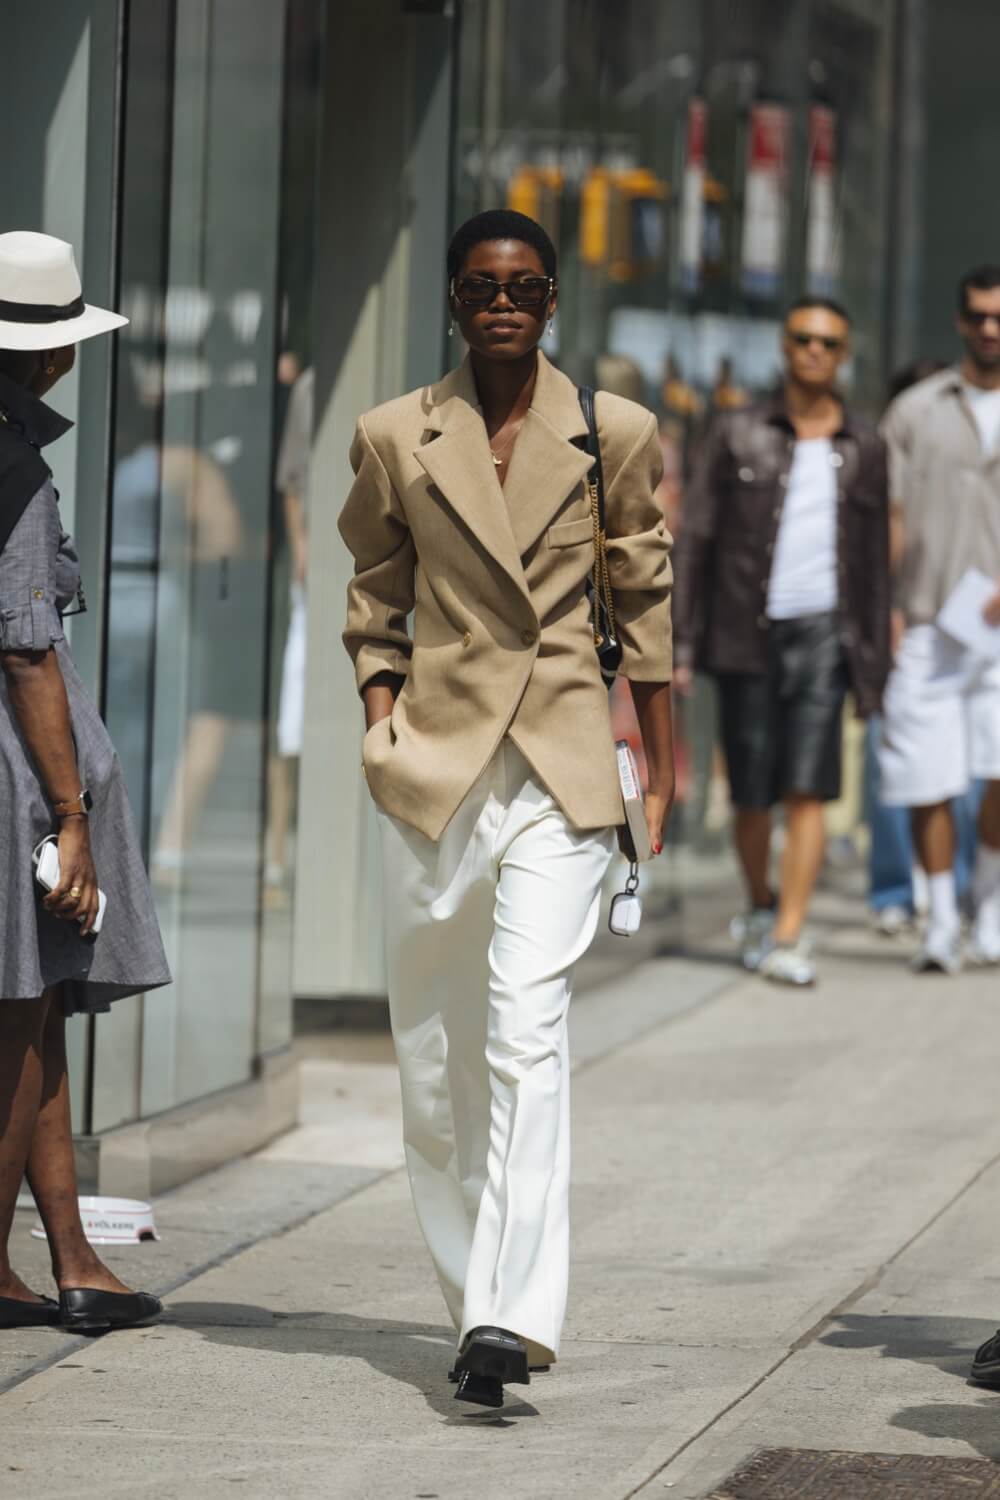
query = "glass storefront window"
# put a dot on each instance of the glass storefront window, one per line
(219, 166)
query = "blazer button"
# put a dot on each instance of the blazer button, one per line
(39, 593)
(467, 638)
(763, 621)
(528, 637)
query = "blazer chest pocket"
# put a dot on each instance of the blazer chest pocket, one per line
(571, 533)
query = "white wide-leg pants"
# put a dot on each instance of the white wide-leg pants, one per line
(483, 930)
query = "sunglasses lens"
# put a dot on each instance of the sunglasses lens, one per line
(474, 292)
(531, 292)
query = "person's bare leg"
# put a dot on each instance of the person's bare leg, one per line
(989, 816)
(986, 881)
(934, 837)
(22, 1027)
(752, 837)
(805, 839)
(52, 1172)
(280, 775)
(195, 772)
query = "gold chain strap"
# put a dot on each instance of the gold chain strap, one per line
(602, 575)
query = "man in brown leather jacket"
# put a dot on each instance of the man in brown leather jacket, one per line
(782, 594)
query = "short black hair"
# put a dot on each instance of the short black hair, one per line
(829, 304)
(500, 224)
(980, 279)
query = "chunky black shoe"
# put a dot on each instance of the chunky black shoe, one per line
(17, 1314)
(986, 1365)
(490, 1358)
(85, 1310)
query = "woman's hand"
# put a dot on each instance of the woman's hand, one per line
(76, 873)
(652, 708)
(658, 806)
(380, 696)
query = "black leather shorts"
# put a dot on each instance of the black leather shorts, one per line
(781, 731)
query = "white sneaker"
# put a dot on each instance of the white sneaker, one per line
(940, 953)
(891, 921)
(984, 949)
(751, 931)
(787, 963)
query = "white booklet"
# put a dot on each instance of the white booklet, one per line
(962, 615)
(635, 812)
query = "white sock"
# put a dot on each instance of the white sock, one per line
(943, 901)
(921, 898)
(987, 878)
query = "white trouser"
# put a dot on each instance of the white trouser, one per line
(483, 931)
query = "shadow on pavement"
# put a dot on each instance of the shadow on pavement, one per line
(948, 1344)
(418, 1354)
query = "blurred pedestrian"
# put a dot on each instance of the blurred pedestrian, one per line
(897, 892)
(942, 705)
(490, 757)
(59, 775)
(782, 593)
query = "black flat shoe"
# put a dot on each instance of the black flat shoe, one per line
(489, 1358)
(85, 1310)
(986, 1365)
(532, 1370)
(17, 1314)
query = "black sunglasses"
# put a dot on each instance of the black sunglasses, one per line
(831, 345)
(482, 291)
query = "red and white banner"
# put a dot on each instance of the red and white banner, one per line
(765, 200)
(693, 196)
(823, 229)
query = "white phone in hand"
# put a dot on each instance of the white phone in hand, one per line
(46, 862)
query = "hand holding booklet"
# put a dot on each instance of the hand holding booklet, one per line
(962, 617)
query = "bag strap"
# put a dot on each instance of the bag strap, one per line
(595, 485)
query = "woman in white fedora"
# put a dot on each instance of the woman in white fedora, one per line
(59, 777)
(491, 760)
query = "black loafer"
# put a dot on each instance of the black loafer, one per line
(986, 1365)
(489, 1358)
(17, 1314)
(85, 1310)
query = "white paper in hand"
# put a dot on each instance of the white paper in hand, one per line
(962, 615)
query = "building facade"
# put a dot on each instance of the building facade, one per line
(266, 188)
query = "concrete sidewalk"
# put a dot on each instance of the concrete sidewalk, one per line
(784, 1234)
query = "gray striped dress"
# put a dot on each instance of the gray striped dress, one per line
(39, 575)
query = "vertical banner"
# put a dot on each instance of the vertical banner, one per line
(693, 197)
(765, 199)
(822, 233)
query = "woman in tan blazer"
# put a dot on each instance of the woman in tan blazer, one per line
(491, 762)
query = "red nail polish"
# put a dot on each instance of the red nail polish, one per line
(657, 848)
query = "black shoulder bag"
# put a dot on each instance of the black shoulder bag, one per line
(599, 591)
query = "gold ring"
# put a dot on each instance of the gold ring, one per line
(74, 891)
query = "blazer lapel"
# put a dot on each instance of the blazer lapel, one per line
(459, 463)
(546, 464)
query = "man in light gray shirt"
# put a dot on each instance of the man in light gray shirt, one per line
(942, 704)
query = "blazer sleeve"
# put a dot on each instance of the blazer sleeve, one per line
(696, 546)
(639, 561)
(380, 596)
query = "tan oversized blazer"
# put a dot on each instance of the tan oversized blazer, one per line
(495, 578)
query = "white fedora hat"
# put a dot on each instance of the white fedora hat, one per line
(41, 300)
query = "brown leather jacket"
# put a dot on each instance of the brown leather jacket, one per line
(722, 562)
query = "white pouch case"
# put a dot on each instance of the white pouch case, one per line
(626, 908)
(46, 862)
